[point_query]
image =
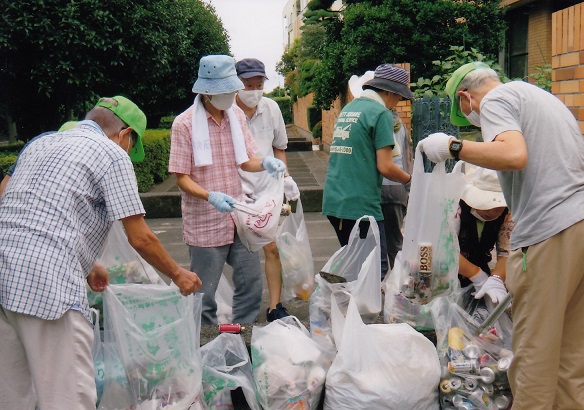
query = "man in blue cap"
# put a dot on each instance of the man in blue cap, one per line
(210, 141)
(533, 141)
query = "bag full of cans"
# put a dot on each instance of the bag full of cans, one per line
(473, 367)
(428, 265)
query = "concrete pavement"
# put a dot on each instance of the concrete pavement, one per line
(323, 243)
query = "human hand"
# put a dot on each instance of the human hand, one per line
(221, 201)
(274, 166)
(435, 146)
(98, 278)
(188, 282)
(494, 287)
(291, 189)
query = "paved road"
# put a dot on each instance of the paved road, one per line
(323, 242)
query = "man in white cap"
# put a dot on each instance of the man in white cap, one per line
(266, 123)
(533, 140)
(210, 141)
(361, 155)
(484, 224)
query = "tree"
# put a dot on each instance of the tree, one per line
(372, 32)
(57, 57)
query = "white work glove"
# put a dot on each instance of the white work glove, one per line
(248, 195)
(291, 189)
(494, 287)
(221, 201)
(274, 166)
(435, 146)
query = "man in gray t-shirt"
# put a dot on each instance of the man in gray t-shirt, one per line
(534, 143)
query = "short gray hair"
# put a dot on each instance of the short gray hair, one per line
(477, 78)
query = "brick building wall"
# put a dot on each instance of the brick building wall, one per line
(568, 59)
(539, 34)
(300, 111)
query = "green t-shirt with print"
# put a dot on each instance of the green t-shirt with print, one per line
(353, 183)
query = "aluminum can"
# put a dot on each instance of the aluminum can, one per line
(471, 351)
(502, 402)
(445, 386)
(464, 366)
(488, 389)
(487, 375)
(470, 384)
(455, 384)
(230, 328)
(503, 364)
(457, 400)
(408, 287)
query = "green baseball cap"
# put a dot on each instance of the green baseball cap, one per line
(133, 116)
(456, 116)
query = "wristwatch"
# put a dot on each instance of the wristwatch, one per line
(454, 148)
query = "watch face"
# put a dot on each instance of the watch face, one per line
(456, 146)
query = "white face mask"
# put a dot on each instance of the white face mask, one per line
(480, 218)
(251, 98)
(474, 117)
(222, 101)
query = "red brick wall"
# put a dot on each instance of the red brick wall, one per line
(300, 111)
(568, 59)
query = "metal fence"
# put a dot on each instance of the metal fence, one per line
(430, 115)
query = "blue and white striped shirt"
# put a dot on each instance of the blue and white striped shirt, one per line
(55, 215)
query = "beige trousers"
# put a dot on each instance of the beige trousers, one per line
(48, 361)
(548, 323)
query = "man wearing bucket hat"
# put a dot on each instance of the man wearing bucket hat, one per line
(484, 223)
(55, 214)
(361, 155)
(534, 142)
(266, 123)
(210, 141)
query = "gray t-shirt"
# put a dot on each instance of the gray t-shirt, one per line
(547, 196)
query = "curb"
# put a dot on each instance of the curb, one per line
(167, 204)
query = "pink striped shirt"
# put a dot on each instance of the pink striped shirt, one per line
(203, 225)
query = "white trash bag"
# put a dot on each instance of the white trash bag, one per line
(379, 366)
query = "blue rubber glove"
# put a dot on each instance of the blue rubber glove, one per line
(274, 166)
(221, 201)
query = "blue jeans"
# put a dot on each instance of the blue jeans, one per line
(208, 263)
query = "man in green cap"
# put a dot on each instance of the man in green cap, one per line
(66, 190)
(533, 140)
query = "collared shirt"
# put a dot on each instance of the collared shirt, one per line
(269, 132)
(55, 214)
(203, 225)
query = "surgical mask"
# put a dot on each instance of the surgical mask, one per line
(251, 98)
(222, 101)
(480, 218)
(474, 117)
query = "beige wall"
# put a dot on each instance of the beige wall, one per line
(300, 111)
(568, 59)
(539, 37)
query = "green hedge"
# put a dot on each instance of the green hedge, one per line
(314, 116)
(317, 130)
(285, 104)
(154, 168)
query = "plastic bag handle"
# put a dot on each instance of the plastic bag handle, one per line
(419, 164)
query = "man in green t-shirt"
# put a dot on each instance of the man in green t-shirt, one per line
(361, 155)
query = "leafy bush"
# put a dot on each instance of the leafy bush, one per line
(154, 168)
(6, 162)
(314, 116)
(543, 76)
(12, 147)
(285, 104)
(317, 130)
(166, 122)
(425, 87)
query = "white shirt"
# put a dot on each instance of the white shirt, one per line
(269, 131)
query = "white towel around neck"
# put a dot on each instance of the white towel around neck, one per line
(202, 153)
